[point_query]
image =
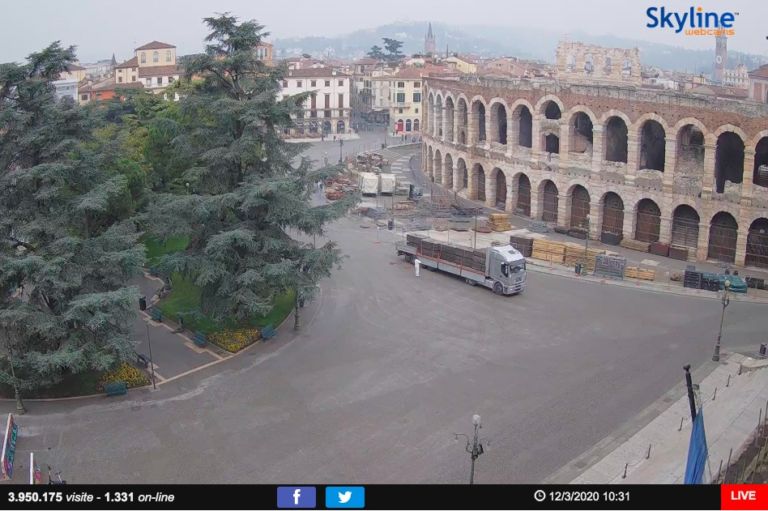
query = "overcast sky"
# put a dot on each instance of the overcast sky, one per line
(100, 27)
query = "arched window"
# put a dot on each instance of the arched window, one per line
(408, 125)
(155, 56)
(589, 64)
(416, 125)
(143, 57)
(167, 55)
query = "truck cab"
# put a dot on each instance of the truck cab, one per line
(506, 269)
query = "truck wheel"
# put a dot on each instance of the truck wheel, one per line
(408, 258)
(470, 282)
(498, 288)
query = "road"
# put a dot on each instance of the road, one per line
(387, 369)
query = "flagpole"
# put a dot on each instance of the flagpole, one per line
(691, 397)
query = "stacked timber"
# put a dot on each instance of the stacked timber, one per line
(441, 224)
(463, 256)
(522, 245)
(482, 225)
(658, 248)
(640, 246)
(679, 253)
(551, 251)
(575, 253)
(499, 222)
(633, 272)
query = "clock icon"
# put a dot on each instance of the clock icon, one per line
(719, 59)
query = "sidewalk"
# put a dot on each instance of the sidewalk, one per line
(731, 410)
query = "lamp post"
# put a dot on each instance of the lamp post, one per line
(725, 301)
(143, 307)
(341, 144)
(474, 447)
(586, 240)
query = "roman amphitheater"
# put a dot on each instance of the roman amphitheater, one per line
(621, 162)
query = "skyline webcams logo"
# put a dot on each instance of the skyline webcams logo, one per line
(694, 21)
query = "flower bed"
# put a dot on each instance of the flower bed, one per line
(132, 376)
(235, 340)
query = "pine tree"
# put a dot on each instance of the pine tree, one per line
(247, 196)
(65, 247)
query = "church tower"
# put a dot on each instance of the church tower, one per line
(721, 58)
(429, 42)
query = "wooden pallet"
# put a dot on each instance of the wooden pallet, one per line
(633, 272)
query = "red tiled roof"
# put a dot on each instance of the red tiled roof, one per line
(74, 67)
(760, 72)
(155, 45)
(319, 72)
(419, 72)
(110, 84)
(134, 62)
(160, 71)
(365, 61)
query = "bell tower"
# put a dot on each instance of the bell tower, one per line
(721, 58)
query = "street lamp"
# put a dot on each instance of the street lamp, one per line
(586, 240)
(143, 307)
(725, 301)
(473, 447)
(341, 144)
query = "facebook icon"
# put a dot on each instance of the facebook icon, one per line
(296, 497)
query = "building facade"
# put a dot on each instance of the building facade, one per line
(737, 77)
(579, 62)
(264, 52)
(65, 89)
(617, 162)
(153, 65)
(405, 108)
(328, 110)
(758, 84)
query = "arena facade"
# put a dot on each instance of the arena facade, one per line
(622, 162)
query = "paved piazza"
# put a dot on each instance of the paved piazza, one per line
(388, 367)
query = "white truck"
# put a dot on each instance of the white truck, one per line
(369, 183)
(500, 268)
(388, 183)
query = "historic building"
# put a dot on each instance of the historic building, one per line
(327, 111)
(618, 161)
(430, 46)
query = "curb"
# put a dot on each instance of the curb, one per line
(656, 288)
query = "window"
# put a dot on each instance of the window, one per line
(399, 110)
(327, 83)
(401, 85)
(133, 69)
(143, 57)
(159, 80)
(298, 83)
(341, 100)
(417, 97)
(327, 113)
(133, 78)
(170, 79)
(400, 97)
(119, 79)
(416, 110)
(155, 56)
(149, 82)
(327, 101)
(285, 84)
(167, 55)
(84, 97)
(313, 83)
(341, 83)
(417, 85)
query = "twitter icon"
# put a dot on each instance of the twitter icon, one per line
(344, 497)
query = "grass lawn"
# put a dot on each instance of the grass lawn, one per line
(185, 296)
(81, 384)
(156, 249)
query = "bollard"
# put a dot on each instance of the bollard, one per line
(648, 456)
(739, 369)
(625, 471)
(681, 424)
(715, 394)
(728, 383)
(728, 465)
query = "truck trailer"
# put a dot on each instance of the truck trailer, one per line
(500, 268)
(388, 183)
(369, 183)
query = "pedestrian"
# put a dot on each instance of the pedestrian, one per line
(416, 265)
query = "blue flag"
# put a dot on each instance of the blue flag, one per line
(697, 451)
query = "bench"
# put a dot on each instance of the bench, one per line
(142, 360)
(156, 314)
(268, 332)
(200, 340)
(117, 388)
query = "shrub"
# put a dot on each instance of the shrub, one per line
(132, 376)
(234, 340)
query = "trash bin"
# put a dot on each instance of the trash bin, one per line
(390, 224)
(763, 350)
